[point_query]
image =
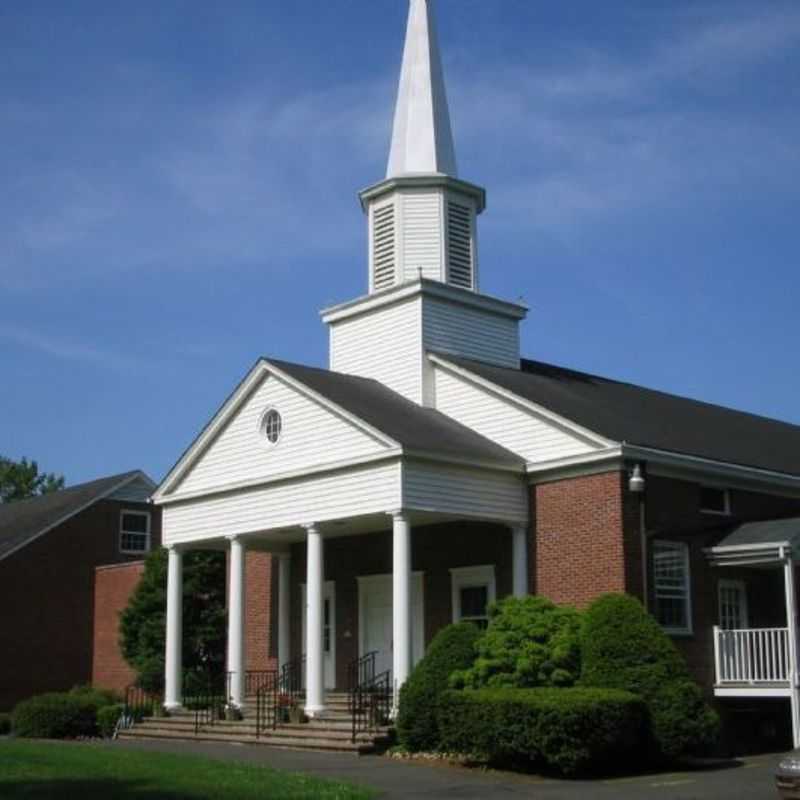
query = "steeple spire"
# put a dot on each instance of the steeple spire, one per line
(422, 140)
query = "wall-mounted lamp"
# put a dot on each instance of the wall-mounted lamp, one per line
(636, 482)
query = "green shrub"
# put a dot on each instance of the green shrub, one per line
(574, 731)
(94, 695)
(624, 647)
(529, 642)
(5, 724)
(107, 718)
(453, 648)
(55, 716)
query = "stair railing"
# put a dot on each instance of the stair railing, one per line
(139, 703)
(279, 692)
(370, 695)
(209, 703)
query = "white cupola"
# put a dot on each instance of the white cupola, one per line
(422, 217)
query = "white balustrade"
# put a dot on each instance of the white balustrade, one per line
(752, 655)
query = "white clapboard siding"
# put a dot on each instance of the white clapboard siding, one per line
(470, 332)
(352, 493)
(422, 236)
(384, 344)
(311, 435)
(463, 491)
(137, 491)
(534, 438)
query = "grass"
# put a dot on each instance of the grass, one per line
(66, 771)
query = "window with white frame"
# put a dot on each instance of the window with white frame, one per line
(134, 532)
(714, 500)
(671, 586)
(474, 589)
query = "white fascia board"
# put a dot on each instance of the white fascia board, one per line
(233, 404)
(423, 287)
(608, 458)
(542, 413)
(284, 477)
(139, 475)
(684, 463)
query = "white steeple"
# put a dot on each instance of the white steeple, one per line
(422, 218)
(422, 140)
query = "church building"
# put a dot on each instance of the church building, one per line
(432, 468)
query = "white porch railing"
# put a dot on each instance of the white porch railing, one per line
(752, 655)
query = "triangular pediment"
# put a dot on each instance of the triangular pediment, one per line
(236, 448)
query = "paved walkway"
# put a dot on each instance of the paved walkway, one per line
(749, 779)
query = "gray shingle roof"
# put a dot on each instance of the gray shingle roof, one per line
(624, 412)
(771, 532)
(24, 520)
(414, 427)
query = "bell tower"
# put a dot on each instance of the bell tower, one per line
(423, 293)
(422, 218)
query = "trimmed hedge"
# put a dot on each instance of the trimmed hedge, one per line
(453, 648)
(61, 715)
(530, 642)
(574, 731)
(55, 716)
(625, 648)
(5, 724)
(107, 719)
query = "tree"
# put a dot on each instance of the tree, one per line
(143, 622)
(21, 479)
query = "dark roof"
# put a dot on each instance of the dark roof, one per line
(774, 531)
(635, 415)
(24, 520)
(413, 427)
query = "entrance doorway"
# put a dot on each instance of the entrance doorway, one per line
(375, 619)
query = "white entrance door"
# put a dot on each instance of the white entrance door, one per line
(735, 653)
(732, 605)
(375, 619)
(328, 632)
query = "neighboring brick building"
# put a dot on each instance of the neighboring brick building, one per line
(49, 549)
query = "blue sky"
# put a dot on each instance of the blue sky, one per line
(180, 185)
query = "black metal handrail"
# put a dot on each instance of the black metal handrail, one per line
(254, 679)
(370, 703)
(139, 703)
(209, 703)
(360, 671)
(279, 691)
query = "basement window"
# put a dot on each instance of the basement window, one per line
(671, 586)
(714, 500)
(134, 532)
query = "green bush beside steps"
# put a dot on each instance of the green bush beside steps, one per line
(573, 731)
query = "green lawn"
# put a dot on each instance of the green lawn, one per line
(71, 771)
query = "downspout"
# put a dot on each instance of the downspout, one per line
(637, 485)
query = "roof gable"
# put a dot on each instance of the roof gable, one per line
(26, 520)
(635, 415)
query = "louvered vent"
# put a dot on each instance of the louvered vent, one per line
(383, 248)
(459, 245)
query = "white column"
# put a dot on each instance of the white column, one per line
(236, 595)
(284, 604)
(173, 677)
(315, 592)
(520, 560)
(401, 601)
(791, 624)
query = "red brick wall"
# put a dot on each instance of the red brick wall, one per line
(580, 547)
(113, 587)
(260, 603)
(47, 601)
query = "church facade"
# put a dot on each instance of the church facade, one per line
(432, 469)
